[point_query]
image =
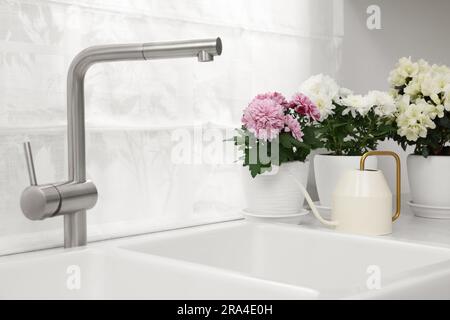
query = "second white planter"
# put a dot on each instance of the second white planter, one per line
(276, 192)
(329, 168)
(429, 181)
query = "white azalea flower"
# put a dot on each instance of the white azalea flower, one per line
(402, 121)
(413, 113)
(425, 97)
(394, 94)
(435, 85)
(403, 103)
(442, 69)
(412, 133)
(413, 120)
(432, 85)
(427, 87)
(439, 111)
(430, 110)
(441, 81)
(424, 66)
(447, 98)
(405, 69)
(413, 88)
(425, 121)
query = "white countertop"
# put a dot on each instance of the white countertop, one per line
(407, 228)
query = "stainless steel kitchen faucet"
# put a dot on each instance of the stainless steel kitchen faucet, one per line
(73, 197)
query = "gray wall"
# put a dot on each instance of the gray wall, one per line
(415, 28)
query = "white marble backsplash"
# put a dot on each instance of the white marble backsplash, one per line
(132, 108)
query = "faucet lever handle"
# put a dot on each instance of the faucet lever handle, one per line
(30, 163)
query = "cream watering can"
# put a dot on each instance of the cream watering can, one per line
(362, 200)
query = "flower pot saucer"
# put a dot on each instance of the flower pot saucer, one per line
(433, 212)
(272, 218)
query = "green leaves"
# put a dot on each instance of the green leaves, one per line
(260, 155)
(444, 122)
(436, 141)
(288, 141)
(258, 168)
(285, 141)
(347, 135)
(427, 141)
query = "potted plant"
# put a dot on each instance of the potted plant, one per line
(422, 94)
(275, 138)
(349, 125)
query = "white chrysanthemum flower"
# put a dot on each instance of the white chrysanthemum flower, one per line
(322, 90)
(382, 102)
(342, 94)
(320, 84)
(324, 103)
(356, 104)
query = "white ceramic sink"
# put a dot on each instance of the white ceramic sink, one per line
(335, 265)
(110, 273)
(231, 260)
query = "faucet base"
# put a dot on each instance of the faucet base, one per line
(75, 226)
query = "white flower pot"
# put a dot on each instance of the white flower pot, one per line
(429, 180)
(328, 170)
(276, 192)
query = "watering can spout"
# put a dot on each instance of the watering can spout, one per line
(313, 207)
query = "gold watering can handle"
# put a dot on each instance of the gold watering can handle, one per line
(398, 175)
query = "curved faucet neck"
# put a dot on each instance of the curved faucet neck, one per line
(76, 102)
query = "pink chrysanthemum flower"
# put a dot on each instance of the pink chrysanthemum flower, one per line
(275, 96)
(264, 117)
(293, 126)
(304, 106)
